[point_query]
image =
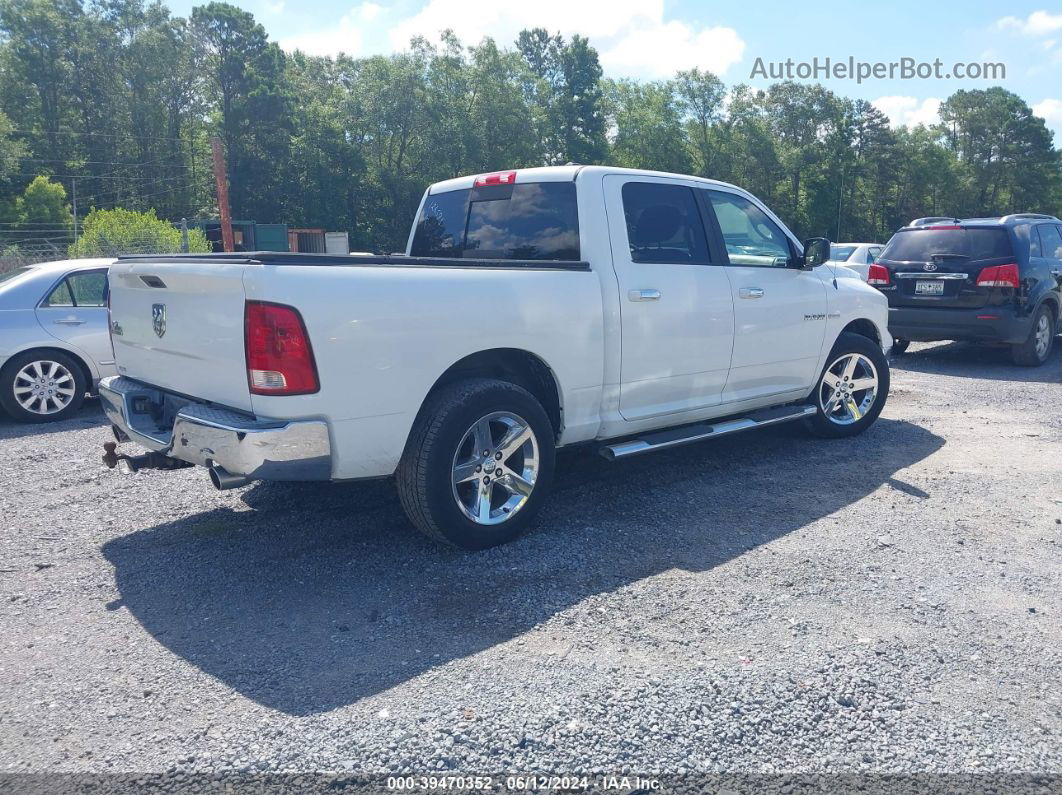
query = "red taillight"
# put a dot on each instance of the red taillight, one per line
(999, 276)
(279, 357)
(501, 178)
(878, 274)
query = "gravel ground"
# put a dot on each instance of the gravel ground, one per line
(766, 603)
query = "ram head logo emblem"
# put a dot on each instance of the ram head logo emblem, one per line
(158, 319)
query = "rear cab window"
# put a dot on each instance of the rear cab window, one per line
(522, 221)
(968, 243)
(664, 224)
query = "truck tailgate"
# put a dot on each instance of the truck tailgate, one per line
(180, 326)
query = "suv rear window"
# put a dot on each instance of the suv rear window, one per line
(529, 221)
(921, 245)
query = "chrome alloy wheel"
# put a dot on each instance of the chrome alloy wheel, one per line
(495, 468)
(848, 389)
(1043, 335)
(44, 387)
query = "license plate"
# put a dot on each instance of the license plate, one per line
(929, 288)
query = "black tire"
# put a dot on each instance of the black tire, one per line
(899, 347)
(11, 371)
(425, 474)
(1028, 353)
(820, 424)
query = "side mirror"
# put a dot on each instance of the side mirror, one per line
(816, 252)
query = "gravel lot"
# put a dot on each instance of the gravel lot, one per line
(765, 603)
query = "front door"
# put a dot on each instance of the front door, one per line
(780, 312)
(676, 310)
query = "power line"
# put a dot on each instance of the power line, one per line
(98, 135)
(95, 162)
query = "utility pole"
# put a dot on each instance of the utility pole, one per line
(222, 181)
(184, 235)
(840, 196)
(73, 186)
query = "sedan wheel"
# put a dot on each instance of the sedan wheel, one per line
(44, 387)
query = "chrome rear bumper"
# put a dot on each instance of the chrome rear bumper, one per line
(215, 437)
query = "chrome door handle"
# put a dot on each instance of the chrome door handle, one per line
(750, 292)
(70, 321)
(644, 295)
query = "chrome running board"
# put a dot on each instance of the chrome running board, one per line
(687, 434)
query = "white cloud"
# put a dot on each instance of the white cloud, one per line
(344, 36)
(661, 50)
(1038, 23)
(1050, 110)
(631, 36)
(909, 111)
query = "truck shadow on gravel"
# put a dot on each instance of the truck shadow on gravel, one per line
(970, 360)
(320, 595)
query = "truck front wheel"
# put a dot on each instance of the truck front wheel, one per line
(852, 388)
(477, 464)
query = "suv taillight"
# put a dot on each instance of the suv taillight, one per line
(878, 274)
(279, 357)
(999, 276)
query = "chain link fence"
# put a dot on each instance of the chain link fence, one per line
(18, 249)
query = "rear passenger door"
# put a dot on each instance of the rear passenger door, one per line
(75, 311)
(779, 312)
(676, 310)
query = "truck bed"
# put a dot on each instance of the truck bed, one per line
(361, 260)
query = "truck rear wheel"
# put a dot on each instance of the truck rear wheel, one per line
(852, 388)
(477, 464)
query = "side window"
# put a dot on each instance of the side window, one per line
(664, 223)
(60, 296)
(89, 289)
(1035, 249)
(1051, 240)
(751, 237)
(873, 254)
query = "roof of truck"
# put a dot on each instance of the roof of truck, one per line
(566, 173)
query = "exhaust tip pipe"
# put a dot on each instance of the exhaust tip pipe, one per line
(224, 480)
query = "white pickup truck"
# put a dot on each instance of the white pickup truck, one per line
(533, 309)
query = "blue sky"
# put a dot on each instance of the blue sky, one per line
(650, 39)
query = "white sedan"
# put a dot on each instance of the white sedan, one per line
(857, 256)
(54, 341)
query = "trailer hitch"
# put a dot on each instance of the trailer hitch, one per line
(134, 463)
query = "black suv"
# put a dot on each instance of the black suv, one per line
(978, 279)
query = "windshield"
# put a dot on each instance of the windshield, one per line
(841, 253)
(529, 221)
(922, 245)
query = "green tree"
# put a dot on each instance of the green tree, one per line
(563, 85)
(1008, 160)
(245, 74)
(701, 95)
(43, 204)
(108, 233)
(647, 118)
